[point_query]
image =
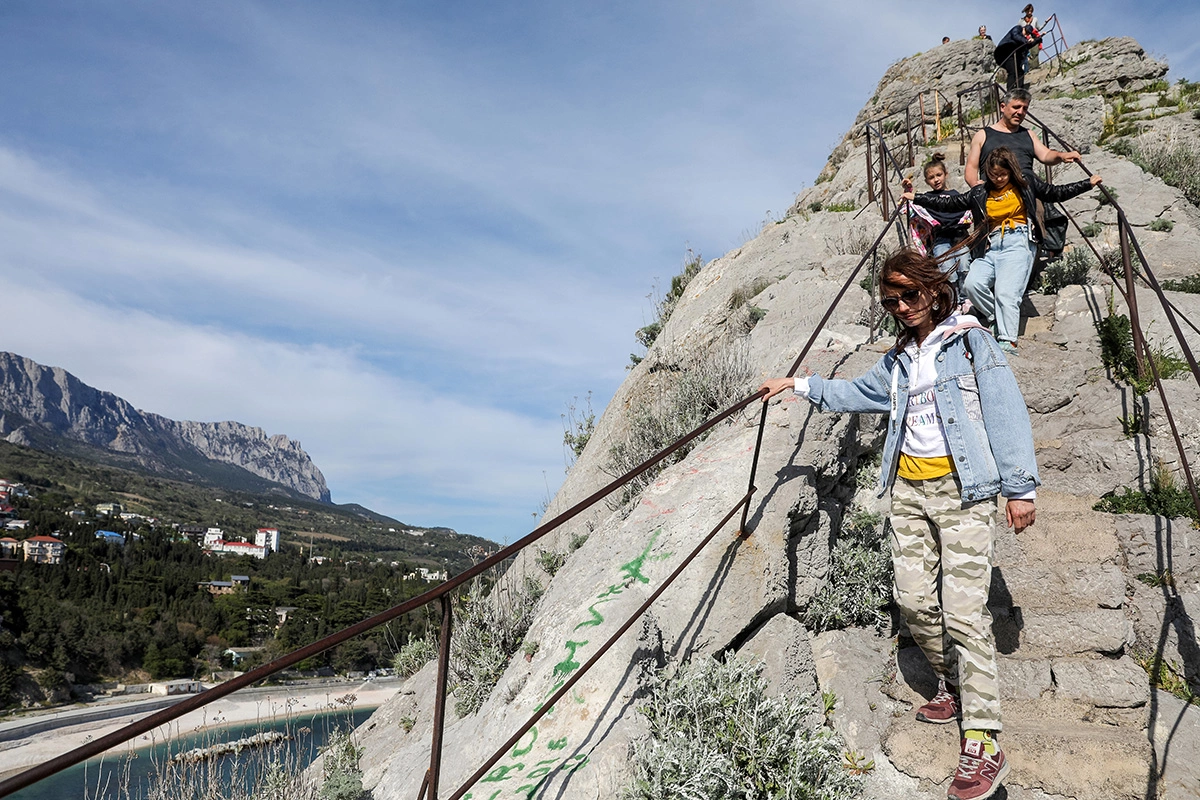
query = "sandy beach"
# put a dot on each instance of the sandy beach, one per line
(266, 704)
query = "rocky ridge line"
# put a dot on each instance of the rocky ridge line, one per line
(48, 408)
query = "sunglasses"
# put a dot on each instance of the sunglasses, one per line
(910, 298)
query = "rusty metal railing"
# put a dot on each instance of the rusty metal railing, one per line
(442, 594)
(1053, 43)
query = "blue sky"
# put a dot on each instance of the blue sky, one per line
(407, 234)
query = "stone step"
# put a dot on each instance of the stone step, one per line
(1070, 758)
(1057, 586)
(1060, 537)
(1033, 634)
(1095, 682)
(1089, 682)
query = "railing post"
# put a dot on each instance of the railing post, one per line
(921, 108)
(962, 135)
(937, 115)
(762, 425)
(1130, 293)
(439, 703)
(870, 169)
(912, 158)
(883, 187)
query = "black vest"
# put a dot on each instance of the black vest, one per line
(1021, 144)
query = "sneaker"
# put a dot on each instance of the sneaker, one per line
(978, 775)
(942, 708)
(1008, 348)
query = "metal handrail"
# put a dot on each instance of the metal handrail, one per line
(440, 592)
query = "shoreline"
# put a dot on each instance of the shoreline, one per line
(264, 705)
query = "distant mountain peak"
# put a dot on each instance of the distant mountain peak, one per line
(48, 408)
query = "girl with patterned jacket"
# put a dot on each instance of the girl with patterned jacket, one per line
(1004, 241)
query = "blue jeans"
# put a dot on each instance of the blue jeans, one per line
(996, 282)
(961, 262)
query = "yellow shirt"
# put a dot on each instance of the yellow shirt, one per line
(1005, 209)
(923, 469)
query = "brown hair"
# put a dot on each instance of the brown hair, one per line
(925, 274)
(1004, 158)
(1027, 10)
(937, 160)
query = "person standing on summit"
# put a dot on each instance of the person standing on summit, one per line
(1011, 133)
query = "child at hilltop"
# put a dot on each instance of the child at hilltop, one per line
(958, 436)
(1004, 241)
(948, 228)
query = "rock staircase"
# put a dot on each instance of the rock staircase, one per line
(1077, 705)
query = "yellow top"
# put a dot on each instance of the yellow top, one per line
(1005, 209)
(923, 469)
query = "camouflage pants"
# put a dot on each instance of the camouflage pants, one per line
(942, 556)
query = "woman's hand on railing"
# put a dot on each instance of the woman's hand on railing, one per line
(775, 386)
(908, 195)
(1096, 180)
(906, 184)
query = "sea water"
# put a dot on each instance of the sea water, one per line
(128, 776)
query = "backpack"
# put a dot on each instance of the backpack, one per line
(1054, 230)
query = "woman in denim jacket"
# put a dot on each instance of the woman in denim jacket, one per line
(958, 436)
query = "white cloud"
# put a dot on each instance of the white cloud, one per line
(359, 424)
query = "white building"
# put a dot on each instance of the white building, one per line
(268, 538)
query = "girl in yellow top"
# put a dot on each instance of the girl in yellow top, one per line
(1005, 238)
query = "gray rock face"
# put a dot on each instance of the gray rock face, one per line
(1110, 65)
(1072, 619)
(50, 409)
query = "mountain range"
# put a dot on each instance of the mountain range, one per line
(49, 409)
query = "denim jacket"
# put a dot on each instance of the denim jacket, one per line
(978, 400)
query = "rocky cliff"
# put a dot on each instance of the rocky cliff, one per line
(48, 408)
(1083, 602)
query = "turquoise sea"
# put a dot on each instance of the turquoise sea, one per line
(104, 778)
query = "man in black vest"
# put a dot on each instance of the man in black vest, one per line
(1010, 133)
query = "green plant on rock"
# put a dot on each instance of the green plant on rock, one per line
(692, 265)
(340, 765)
(416, 653)
(1073, 269)
(744, 294)
(859, 584)
(691, 391)
(1189, 284)
(1119, 356)
(1162, 225)
(1173, 156)
(1092, 230)
(1121, 147)
(1164, 498)
(1166, 675)
(550, 561)
(578, 426)
(489, 629)
(815, 206)
(715, 734)
(842, 207)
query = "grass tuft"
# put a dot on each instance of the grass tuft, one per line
(1073, 269)
(859, 583)
(716, 735)
(689, 393)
